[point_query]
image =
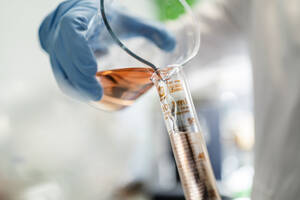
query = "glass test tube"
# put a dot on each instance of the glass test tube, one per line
(187, 142)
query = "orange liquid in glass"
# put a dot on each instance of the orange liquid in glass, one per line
(123, 86)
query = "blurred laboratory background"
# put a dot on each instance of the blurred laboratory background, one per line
(55, 148)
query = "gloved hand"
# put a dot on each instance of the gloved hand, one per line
(63, 35)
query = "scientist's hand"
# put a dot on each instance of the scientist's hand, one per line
(63, 35)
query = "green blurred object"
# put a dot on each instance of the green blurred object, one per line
(171, 9)
(244, 193)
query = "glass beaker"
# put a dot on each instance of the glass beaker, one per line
(125, 78)
(188, 144)
(165, 68)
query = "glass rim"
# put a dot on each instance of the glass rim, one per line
(119, 42)
(165, 73)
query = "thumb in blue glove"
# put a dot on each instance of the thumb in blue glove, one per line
(63, 35)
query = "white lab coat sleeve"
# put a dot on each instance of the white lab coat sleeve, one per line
(223, 26)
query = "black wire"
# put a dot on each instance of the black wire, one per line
(116, 39)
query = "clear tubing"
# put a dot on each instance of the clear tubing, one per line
(187, 142)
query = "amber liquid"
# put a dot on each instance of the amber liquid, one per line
(193, 165)
(123, 86)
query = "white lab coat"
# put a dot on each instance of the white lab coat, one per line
(271, 28)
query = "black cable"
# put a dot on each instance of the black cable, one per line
(116, 39)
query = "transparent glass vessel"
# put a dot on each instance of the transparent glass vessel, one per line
(188, 144)
(126, 80)
(128, 55)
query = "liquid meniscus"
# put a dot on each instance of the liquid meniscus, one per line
(121, 87)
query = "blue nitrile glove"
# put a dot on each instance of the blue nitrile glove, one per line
(63, 35)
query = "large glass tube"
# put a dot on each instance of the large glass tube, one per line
(187, 141)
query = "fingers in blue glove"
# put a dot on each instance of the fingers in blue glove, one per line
(80, 92)
(125, 27)
(78, 60)
(63, 34)
(154, 32)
